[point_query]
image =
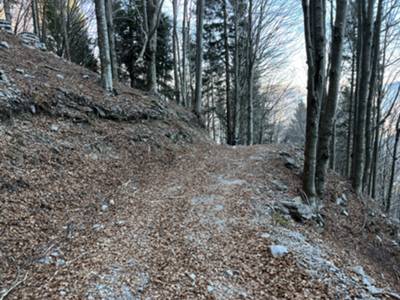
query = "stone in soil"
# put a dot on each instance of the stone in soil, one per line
(278, 250)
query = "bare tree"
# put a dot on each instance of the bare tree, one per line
(199, 56)
(151, 16)
(64, 6)
(175, 49)
(184, 53)
(326, 123)
(230, 136)
(7, 10)
(314, 25)
(236, 102)
(250, 74)
(372, 92)
(35, 17)
(393, 167)
(365, 28)
(104, 45)
(111, 38)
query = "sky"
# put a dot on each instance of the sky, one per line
(295, 71)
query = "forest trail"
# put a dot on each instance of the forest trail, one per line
(125, 197)
(199, 229)
(196, 227)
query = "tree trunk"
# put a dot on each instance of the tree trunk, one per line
(314, 25)
(44, 21)
(329, 112)
(359, 145)
(199, 56)
(104, 45)
(111, 38)
(332, 155)
(175, 49)
(7, 10)
(393, 168)
(184, 53)
(214, 133)
(350, 117)
(66, 48)
(359, 53)
(230, 136)
(377, 126)
(35, 17)
(236, 102)
(372, 92)
(250, 75)
(152, 6)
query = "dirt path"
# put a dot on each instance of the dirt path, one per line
(197, 227)
(192, 232)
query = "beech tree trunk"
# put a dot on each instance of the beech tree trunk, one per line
(314, 25)
(328, 114)
(111, 38)
(104, 45)
(199, 56)
(350, 116)
(236, 102)
(372, 92)
(393, 168)
(66, 48)
(332, 155)
(184, 53)
(35, 17)
(152, 6)
(359, 7)
(230, 132)
(175, 49)
(44, 22)
(250, 75)
(377, 125)
(7, 10)
(359, 145)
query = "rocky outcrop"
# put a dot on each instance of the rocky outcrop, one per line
(64, 103)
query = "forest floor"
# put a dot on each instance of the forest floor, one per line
(124, 197)
(194, 223)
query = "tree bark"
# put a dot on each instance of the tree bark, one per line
(332, 155)
(378, 123)
(103, 43)
(152, 6)
(230, 136)
(350, 116)
(111, 38)
(236, 102)
(250, 75)
(175, 49)
(372, 92)
(328, 114)
(35, 17)
(359, 10)
(199, 56)
(393, 168)
(359, 145)
(44, 21)
(184, 53)
(7, 10)
(314, 25)
(63, 10)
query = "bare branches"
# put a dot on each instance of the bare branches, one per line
(18, 280)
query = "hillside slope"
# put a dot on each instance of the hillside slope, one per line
(124, 197)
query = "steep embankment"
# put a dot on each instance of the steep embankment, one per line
(123, 197)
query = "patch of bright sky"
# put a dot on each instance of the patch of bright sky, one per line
(295, 71)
